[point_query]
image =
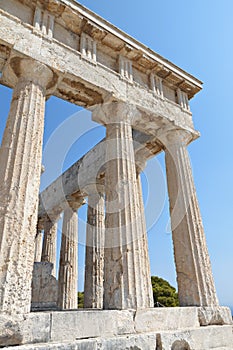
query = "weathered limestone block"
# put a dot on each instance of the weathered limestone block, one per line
(166, 318)
(94, 264)
(195, 280)
(131, 342)
(49, 249)
(90, 344)
(20, 170)
(214, 316)
(88, 324)
(44, 287)
(30, 328)
(124, 287)
(112, 329)
(203, 338)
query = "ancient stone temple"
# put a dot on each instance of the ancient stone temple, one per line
(58, 47)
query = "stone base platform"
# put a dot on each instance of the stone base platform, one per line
(156, 329)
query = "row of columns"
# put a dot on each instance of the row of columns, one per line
(95, 253)
(126, 271)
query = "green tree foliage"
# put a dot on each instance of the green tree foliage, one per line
(163, 292)
(80, 300)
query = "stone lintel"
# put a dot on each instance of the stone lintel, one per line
(87, 175)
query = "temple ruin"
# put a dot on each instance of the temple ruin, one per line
(60, 48)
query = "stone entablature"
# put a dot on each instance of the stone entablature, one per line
(72, 19)
(69, 38)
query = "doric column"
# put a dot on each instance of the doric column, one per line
(94, 266)
(68, 268)
(20, 170)
(49, 249)
(194, 275)
(38, 245)
(123, 268)
(145, 261)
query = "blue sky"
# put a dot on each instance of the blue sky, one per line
(197, 36)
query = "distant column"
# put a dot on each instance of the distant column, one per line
(145, 261)
(49, 250)
(68, 268)
(194, 275)
(38, 245)
(20, 159)
(94, 266)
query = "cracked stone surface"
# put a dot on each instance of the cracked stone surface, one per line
(194, 275)
(20, 158)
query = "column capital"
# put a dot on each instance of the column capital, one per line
(75, 203)
(95, 190)
(34, 71)
(174, 137)
(115, 112)
(51, 218)
(40, 225)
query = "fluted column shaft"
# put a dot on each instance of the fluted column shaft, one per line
(68, 268)
(49, 250)
(123, 269)
(194, 275)
(38, 245)
(20, 170)
(94, 266)
(145, 261)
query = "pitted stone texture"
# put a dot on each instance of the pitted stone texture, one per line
(166, 319)
(131, 342)
(87, 324)
(20, 159)
(214, 316)
(110, 330)
(44, 287)
(202, 338)
(76, 345)
(194, 276)
(31, 328)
